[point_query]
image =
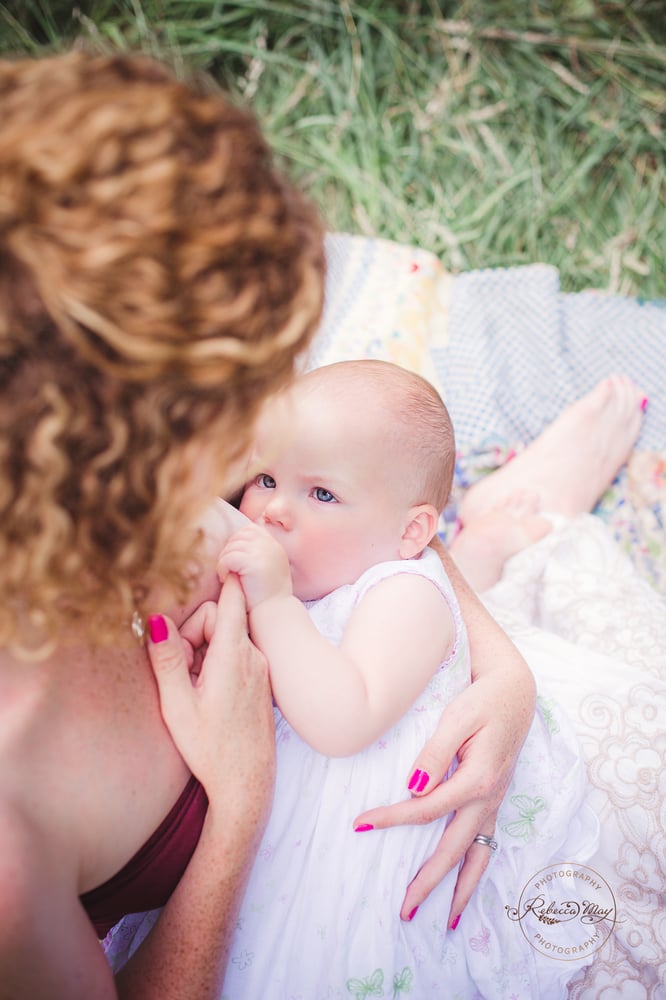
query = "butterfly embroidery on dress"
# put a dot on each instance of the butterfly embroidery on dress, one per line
(528, 808)
(372, 986)
(402, 982)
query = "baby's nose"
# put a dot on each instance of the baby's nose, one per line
(276, 512)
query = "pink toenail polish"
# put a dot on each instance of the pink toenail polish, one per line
(455, 922)
(413, 913)
(362, 827)
(644, 403)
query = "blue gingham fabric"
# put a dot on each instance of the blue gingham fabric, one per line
(518, 349)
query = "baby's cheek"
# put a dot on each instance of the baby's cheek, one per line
(249, 505)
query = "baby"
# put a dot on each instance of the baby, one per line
(365, 645)
(347, 486)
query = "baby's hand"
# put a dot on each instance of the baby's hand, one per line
(260, 562)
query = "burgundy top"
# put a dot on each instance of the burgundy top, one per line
(149, 878)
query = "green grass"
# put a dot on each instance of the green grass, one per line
(491, 132)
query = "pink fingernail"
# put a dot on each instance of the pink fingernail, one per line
(423, 781)
(157, 628)
(414, 780)
(455, 922)
(644, 403)
(362, 827)
(413, 913)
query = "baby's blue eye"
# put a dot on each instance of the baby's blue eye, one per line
(323, 495)
(265, 481)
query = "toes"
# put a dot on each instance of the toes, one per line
(629, 395)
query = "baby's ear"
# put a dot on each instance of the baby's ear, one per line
(421, 526)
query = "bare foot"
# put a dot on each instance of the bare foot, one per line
(483, 547)
(574, 460)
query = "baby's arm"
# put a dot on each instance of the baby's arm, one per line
(485, 725)
(341, 699)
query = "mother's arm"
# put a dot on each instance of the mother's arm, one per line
(486, 726)
(223, 725)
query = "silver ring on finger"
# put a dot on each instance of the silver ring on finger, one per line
(486, 841)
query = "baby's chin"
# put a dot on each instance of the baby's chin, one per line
(315, 590)
(305, 594)
(307, 586)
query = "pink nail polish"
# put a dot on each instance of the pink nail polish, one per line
(644, 403)
(414, 780)
(157, 628)
(455, 922)
(423, 781)
(362, 827)
(413, 913)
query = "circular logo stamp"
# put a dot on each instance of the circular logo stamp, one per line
(565, 911)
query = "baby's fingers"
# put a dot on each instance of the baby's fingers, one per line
(238, 556)
(229, 561)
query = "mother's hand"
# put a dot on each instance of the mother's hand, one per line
(220, 716)
(219, 713)
(486, 729)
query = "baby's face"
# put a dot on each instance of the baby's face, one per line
(325, 496)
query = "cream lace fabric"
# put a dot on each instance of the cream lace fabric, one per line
(595, 635)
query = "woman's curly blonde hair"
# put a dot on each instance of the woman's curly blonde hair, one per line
(158, 277)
